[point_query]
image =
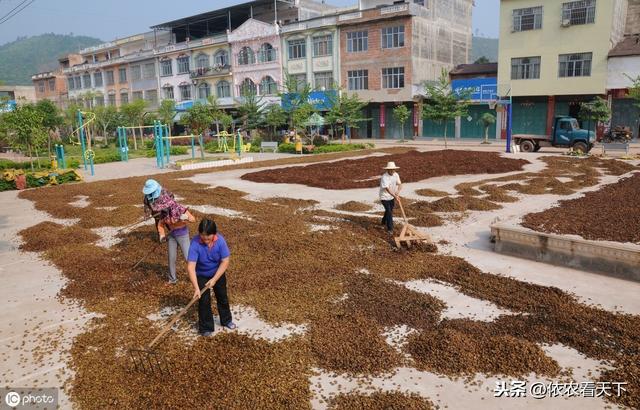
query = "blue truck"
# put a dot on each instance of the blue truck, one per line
(566, 133)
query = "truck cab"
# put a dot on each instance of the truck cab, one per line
(566, 132)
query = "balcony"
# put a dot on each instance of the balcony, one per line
(210, 71)
(261, 57)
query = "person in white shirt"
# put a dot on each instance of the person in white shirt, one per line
(390, 186)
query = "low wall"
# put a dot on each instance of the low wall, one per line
(609, 258)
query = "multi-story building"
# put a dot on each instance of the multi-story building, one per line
(388, 51)
(553, 56)
(311, 50)
(10, 95)
(52, 85)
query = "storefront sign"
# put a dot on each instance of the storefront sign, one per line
(481, 89)
(321, 100)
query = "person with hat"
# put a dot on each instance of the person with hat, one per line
(208, 261)
(170, 216)
(390, 186)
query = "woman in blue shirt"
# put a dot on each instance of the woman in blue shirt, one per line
(208, 260)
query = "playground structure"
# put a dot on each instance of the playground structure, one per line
(238, 147)
(59, 161)
(88, 154)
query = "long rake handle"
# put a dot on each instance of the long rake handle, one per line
(141, 221)
(146, 255)
(402, 210)
(179, 315)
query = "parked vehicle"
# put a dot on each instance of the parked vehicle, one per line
(619, 134)
(566, 132)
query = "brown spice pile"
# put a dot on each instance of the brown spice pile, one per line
(611, 213)
(365, 173)
(380, 400)
(431, 192)
(353, 206)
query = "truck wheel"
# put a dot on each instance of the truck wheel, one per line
(527, 146)
(581, 146)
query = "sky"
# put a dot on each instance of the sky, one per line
(112, 19)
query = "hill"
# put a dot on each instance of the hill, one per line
(482, 46)
(26, 56)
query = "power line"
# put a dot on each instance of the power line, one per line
(9, 15)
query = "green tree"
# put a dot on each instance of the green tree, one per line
(634, 90)
(52, 119)
(25, 130)
(486, 120)
(249, 110)
(346, 112)
(482, 60)
(442, 104)
(595, 111)
(107, 116)
(70, 117)
(167, 112)
(198, 118)
(401, 114)
(133, 115)
(298, 109)
(274, 117)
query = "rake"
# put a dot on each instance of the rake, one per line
(410, 233)
(148, 360)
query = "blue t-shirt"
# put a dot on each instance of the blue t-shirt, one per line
(207, 260)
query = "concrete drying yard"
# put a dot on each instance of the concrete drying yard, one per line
(329, 314)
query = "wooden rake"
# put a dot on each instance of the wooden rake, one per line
(151, 362)
(410, 233)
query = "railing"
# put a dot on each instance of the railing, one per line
(261, 57)
(207, 71)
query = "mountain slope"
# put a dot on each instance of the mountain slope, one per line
(26, 56)
(487, 47)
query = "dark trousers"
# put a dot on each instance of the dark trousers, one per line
(387, 219)
(205, 315)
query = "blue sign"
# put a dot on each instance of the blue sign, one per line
(184, 105)
(321, 100)
(7, 106)
(482, 89)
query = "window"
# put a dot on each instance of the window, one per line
(183, 65)
(267, 53)
(393, 37)
(151, 96)
(246, 56)
(99, 101)
(167, 93)
(97, 79)
(41, 86)
(247, 87)
(137, 95)
(86, 80)
(78, 82)
(52, 84)
(202, 61)
(122, 72)
(221, 59)
(527, 19)
(357, 41)
(525, 68)
(70, 83)
(149, 71)
(109, 77)
(124, 97)
(111, 99)
(358, 80)
(185, 92)
(268, 86)
(223, 89)
(136, 73)
(420, 2)
(323, 46)
(166, 68)
(575, 65)
(301, 81)
(204, 91)
(393, 77)
(323, 81)
(297, 49)
(579, 12)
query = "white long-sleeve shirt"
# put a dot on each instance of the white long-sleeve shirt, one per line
(389, 181)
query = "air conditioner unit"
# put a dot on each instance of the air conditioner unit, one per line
(566, 22)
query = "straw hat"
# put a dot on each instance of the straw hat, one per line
(391, 165)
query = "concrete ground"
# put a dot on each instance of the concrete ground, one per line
(32, 313)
